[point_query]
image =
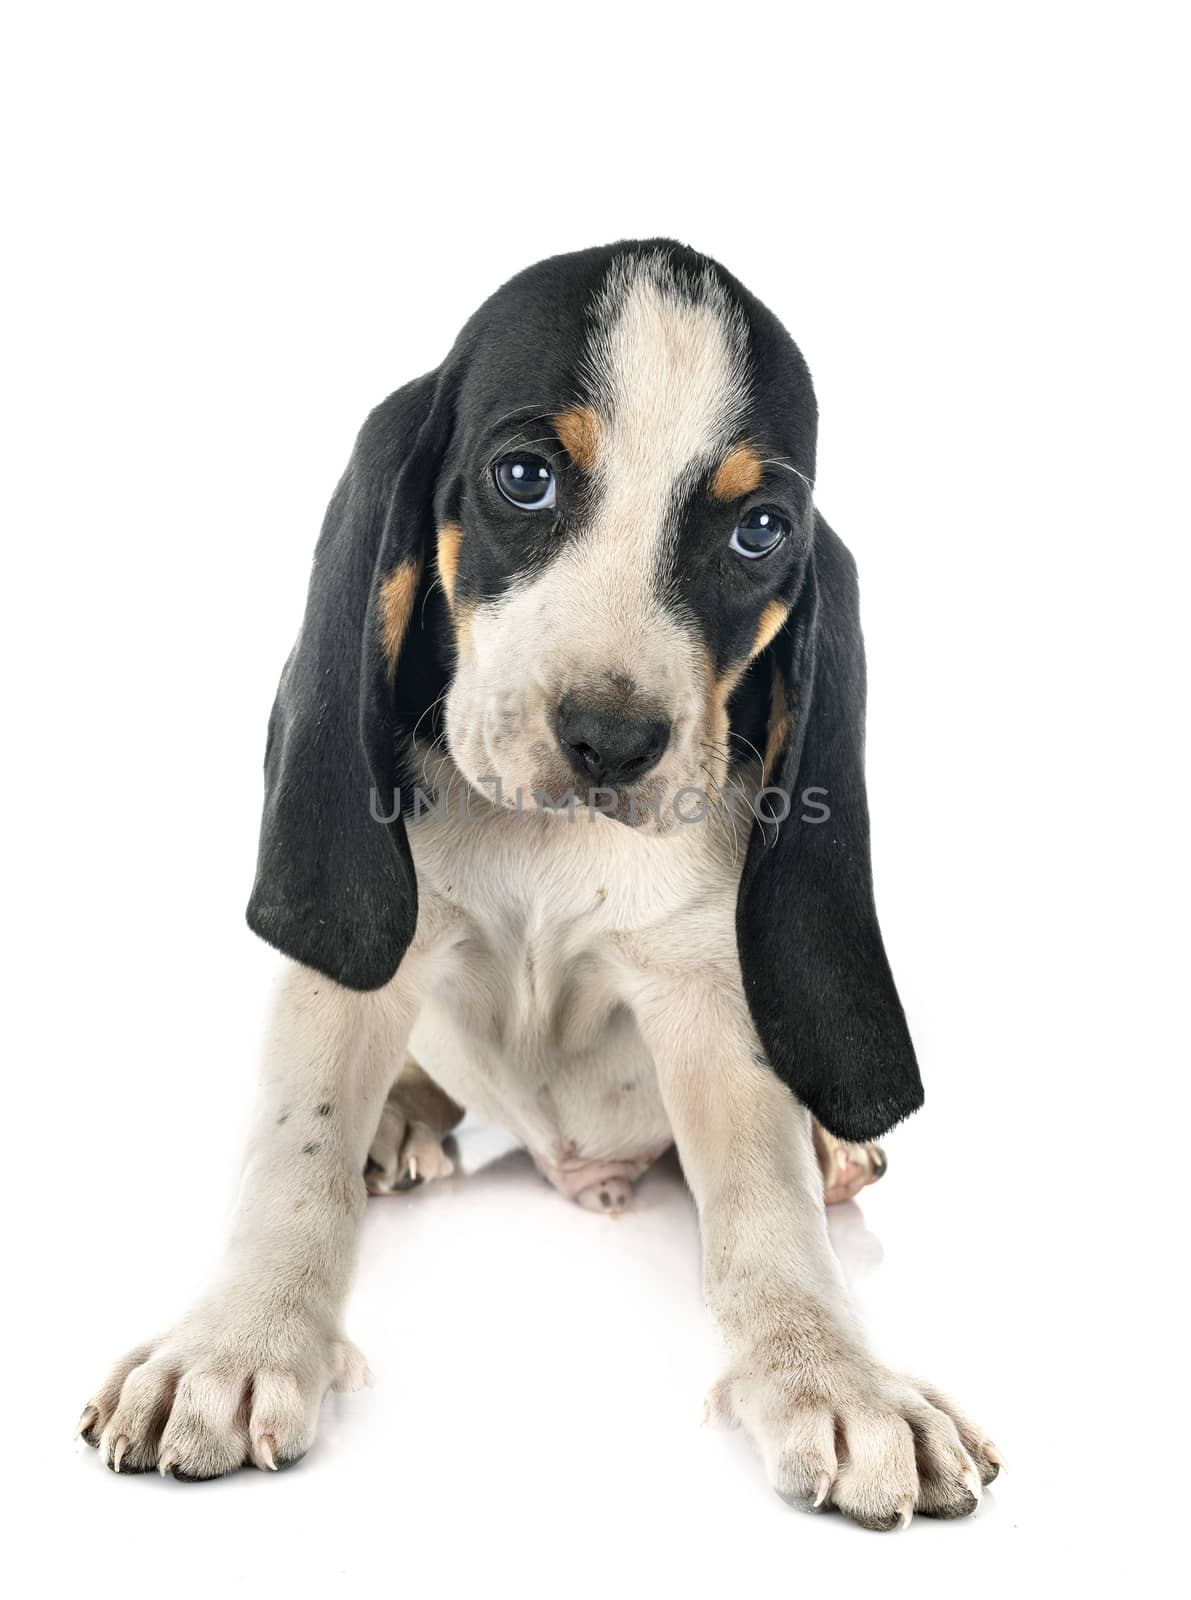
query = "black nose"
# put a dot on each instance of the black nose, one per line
(607, 743)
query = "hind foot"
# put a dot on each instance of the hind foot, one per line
(846, 1168)
(407, 1149)
(612, 1195)
(596, 1185)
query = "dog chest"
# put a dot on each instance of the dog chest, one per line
(525, 1023)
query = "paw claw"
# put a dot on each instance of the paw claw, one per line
(118, 1452)
(906, 1511)
(87, 1421)
(822, 1490)
(265, 1451)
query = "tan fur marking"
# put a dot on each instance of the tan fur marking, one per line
(779, 724)
(772, 618)
(768, 627)
(449, 538)
(726, 684)
(395, 602)
(737, 474)
(579, 432)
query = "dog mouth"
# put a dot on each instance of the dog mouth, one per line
(548, 788)
(632, 807)
(557, 792)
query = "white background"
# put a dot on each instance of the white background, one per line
(231, 231)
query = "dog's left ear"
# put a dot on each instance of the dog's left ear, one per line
(815, 972)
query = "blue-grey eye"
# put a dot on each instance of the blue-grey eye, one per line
(525, 481)
(760, 533)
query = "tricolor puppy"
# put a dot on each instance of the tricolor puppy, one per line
(565, 822)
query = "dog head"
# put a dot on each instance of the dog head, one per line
(583, 554)
(621, 521)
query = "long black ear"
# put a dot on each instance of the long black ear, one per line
(815, 971)
(335, 888)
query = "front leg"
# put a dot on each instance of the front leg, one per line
(832, 1424)
(242, 1376)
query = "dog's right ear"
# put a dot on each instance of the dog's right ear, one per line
(335, 887)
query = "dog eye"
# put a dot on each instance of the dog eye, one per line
(760, 533)
(526, 481)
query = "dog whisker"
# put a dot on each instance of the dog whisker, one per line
(516, 442)
(749, 745)
(435, 583)
(772, 461)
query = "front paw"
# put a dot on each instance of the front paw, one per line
(236, 1381)
(845, 1432)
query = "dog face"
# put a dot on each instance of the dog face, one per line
(619, 528)
(583, 554)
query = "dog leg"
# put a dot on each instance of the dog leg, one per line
(407, 1148)
(832, 1424)
(846, 1168)
(242, 1376)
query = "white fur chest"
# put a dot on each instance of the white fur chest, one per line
(535, 925)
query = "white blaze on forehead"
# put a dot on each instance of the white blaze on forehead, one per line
(666, 372)
(668, 369)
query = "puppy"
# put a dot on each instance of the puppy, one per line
(565, 822)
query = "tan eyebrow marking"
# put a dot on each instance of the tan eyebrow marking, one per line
(395, 601)
(450, 536)
(737, 474)
(770, 625)
(580, 433)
